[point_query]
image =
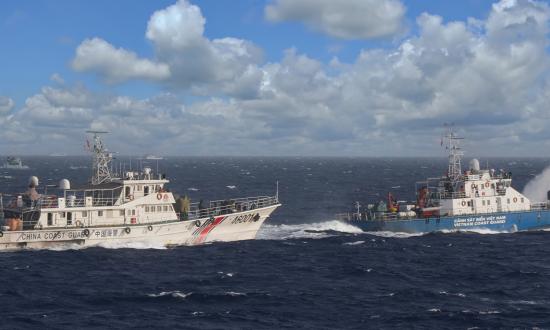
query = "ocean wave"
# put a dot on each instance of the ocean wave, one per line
(391, 234)
(106, 245)
(481, 231)
(354, 243)
(306, 230)
(173, 294)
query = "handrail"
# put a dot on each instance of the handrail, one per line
(221, 207)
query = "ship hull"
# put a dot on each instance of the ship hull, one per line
(499, 222)
(223, 228)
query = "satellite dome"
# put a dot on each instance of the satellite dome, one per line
(474, 165)
(64, 184)
(33, 181)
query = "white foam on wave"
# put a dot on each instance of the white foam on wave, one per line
(481, 231)
(354, 243)
(173, 294)
(139, 245)
(109, 245)
(391, 234)
(306, 230)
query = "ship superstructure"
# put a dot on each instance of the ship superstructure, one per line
(134, 206)
(14, 163)
(472, 199)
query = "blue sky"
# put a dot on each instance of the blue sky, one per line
(41, 36)
(293, 83)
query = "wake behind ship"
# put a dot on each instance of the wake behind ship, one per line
(135, 207)
(477, 199)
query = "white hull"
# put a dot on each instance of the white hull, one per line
(14, 167)
(223, 228)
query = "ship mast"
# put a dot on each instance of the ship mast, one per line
(101, 159)
(454, 172)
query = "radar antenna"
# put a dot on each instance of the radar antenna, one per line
(452, 144)
(101, 159)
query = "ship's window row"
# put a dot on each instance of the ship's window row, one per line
(158, 208)
(146, 189)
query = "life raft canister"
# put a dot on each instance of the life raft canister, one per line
(463, 203)
(515, 199)
(127, 230)
(86, 232)
(159, 196)
(150, 228)
(198, 223)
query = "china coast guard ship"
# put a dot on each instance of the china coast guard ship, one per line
(474, 200)
(133, 208)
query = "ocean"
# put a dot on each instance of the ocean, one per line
(305, 270)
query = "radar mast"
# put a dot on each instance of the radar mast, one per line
(101, 159)
(454, 172)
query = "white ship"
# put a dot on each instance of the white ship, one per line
(153, 157)
(14, 163)
(133, 208)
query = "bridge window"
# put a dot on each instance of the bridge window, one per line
(128, 191)
(147, 209)
(159, 208)
(100, 213)
(50, 219)
(84, 214)
(146, 190)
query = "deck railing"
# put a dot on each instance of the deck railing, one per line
(221, 207)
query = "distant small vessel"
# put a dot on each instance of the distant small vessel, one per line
(14, 163)
(153, 157)
(58, 154)
(476, 199)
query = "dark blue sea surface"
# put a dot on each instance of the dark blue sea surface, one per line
(305, 270)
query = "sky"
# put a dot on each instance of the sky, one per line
(368, 78)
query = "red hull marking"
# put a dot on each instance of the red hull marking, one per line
(209, 228)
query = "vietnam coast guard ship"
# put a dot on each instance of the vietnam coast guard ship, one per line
(476, 199)
(135, 207)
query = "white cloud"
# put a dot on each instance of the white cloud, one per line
(195, 61)
(56, 78)
(6, 104)
(347, 19)
(116, 64)
(185, 57)
(489, 76)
